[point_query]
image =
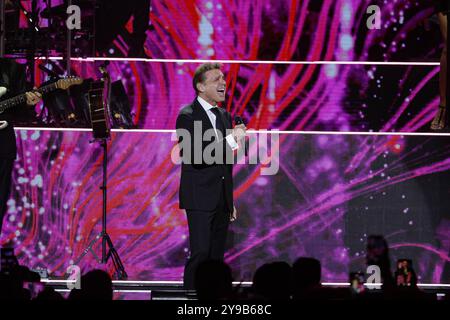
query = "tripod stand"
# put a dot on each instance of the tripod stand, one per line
(103, 235)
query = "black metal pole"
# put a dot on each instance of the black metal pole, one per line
(69, 48)
(105, 165)
(2, 28)
(447, 75)
(34, 26)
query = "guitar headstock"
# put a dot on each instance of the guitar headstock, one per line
(68, 82)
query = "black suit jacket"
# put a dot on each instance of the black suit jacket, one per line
(12, 77)
(201, 183)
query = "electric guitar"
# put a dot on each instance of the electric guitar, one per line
(63, 84)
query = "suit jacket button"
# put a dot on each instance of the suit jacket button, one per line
(223, 178)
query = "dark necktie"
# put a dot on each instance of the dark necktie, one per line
(220, 127)
(219, 123)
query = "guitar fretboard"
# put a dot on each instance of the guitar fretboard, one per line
(9, 103)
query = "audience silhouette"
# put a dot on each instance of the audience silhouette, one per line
(272, 281)
(95, 285)
(213, 281)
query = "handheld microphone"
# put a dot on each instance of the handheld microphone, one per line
(237, 121)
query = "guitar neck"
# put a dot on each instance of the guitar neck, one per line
(22, 98)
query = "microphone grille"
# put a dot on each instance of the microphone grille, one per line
(238, 120)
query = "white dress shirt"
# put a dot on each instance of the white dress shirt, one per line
(212, 117)
(3, 90)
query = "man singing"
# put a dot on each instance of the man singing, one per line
(12, 83)
(206, 189)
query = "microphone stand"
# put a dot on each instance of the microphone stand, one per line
(102, 138)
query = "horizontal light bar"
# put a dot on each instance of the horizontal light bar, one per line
(319, 62)
(133, 291)
(341, 284)
(128, 282)
(347, 284)
(57, 281)
(53, 129)
(335, 283)
(433, 285)
(129, 291)
(352, 133)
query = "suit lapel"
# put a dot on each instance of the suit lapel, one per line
(200, 115)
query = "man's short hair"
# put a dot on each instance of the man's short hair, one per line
(199, 75)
